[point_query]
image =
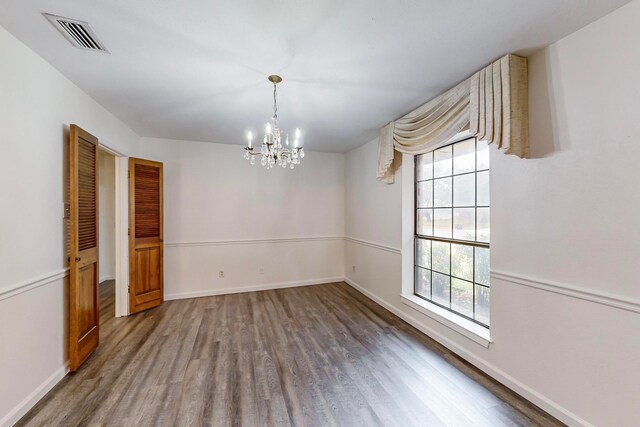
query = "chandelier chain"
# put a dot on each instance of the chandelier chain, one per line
(275, 102)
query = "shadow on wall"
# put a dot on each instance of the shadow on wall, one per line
(546, 105)
(396, 165)
(65, 319)
(65, 195)
(65, 240)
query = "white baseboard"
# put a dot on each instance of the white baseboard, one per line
(252, 288)
(528, 393)
(107, 277)
(30, 401)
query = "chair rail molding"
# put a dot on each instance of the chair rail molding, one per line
(373, 245)
(252, 241)
(16, 289)
(612, 300)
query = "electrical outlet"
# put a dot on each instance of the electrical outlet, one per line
(221, 274)
(354, 268)
(262, 271)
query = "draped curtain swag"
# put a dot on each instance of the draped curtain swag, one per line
(493, 104)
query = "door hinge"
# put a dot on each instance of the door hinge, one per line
(128, 289)
(129, 231)
(129, 174)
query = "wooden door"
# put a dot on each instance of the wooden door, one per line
(146, 270)
(84, 313)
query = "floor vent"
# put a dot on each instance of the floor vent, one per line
(79, 33)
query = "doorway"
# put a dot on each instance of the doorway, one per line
(122, 219)
(116, 226)
(98, 281)
(107, 209)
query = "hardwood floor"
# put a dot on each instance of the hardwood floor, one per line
(317, 355)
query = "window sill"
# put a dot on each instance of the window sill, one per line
(469, 329)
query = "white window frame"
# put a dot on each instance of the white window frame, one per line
(459, 324)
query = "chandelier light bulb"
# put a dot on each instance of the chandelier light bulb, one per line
(250, 137)
(297, 133)
(268, 128)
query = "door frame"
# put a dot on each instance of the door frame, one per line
(122, 228)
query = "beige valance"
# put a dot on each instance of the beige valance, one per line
(493, 104)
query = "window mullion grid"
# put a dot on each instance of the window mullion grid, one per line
(415, 225)
(433, 197)
(475, 244)
(475, 230)
(433, 221)
(415, 221)
(453, 197)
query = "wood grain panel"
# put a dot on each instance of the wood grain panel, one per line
(87, 196)
(320, 355)
(153, 280)
(145, 235)
(142, 272)
(147, 201)
(83, 246)
(86, 297)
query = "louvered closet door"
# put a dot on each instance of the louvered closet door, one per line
(83, 260)
(146, 272)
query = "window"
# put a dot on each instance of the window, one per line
(452, 228)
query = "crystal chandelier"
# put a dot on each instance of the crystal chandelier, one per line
(272, 152)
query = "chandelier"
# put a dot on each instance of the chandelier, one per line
(272, 152)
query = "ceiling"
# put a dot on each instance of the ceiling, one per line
(197, 70)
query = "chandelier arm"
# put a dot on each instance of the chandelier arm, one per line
(252, 152)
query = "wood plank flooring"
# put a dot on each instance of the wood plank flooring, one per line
(309, 356)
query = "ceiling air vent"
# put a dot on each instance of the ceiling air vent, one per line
(79, 33)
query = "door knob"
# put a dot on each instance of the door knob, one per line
(78, 258)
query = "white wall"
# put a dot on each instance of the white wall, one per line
(223, 214)
(368, 204)
(37, 104)
(107, 206)
(565, 296)
(564, 251)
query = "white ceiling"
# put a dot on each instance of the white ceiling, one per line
(196, 70)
